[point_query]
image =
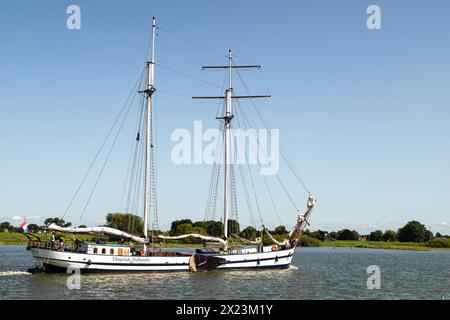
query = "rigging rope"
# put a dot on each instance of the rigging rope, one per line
(153, 187)
(247, 196)
(135, 159)
(267, 186)
(189, 41)
(131, 159)
(107, 157)
(276, 175)
(202, 46)
(135, 189)
(103, 166)
(244, 184)
(283, 153)
(250, 175)
(133, 194)
(187, 75)
(210, 210)
(271, 199)
(103, 144)
(211, 204)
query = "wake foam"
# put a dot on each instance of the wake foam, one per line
(13, 273)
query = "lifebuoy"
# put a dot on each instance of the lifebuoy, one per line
(274, 248)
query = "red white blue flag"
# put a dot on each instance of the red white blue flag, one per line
(24, 226)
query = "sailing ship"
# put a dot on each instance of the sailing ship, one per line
(101, 257)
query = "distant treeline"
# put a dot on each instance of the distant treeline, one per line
(413, 231)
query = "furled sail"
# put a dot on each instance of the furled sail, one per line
(105, 230)
(284, 243)
(301, 223)
(194, 235)
(257, 240)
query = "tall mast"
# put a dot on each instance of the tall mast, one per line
(228, 116)
(227, 119)
(149, 92)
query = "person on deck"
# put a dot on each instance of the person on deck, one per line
(52, 241)
(61, 243)
(76, 245)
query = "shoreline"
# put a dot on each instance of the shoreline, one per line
(380, 245)
(19, 239)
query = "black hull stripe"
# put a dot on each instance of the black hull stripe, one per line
(49, 268)
(160, 264)
(118, 264)
(55, 269)
(255, 260)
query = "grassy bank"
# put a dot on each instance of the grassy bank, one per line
(378, 245)
(20, 239)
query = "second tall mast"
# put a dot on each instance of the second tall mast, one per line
(228, 117)
(148, 141)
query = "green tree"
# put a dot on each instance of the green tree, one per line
(249, 233)
(200, 224)
(125, 222)
(280, 230)
(319, 235)
(376, 235)
(173, 227)
(233, 227)
(33, 227)
(82, 226)
(306, 232)
(413, 231)
(184, 228)
(5, 226)
(58, 221)
(428, 235)
(214, 228)
(438, 235)
(346, 234)
(199, 230)
(439, 243)
(390, 236)
(333, 235)
(307, 241)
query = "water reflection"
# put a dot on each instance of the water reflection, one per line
(317, 273)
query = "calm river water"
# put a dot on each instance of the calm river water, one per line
(317, 273)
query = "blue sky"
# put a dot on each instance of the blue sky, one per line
(362, 113)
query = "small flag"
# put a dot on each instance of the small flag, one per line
(24, 226)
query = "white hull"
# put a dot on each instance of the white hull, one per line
(54, 261)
